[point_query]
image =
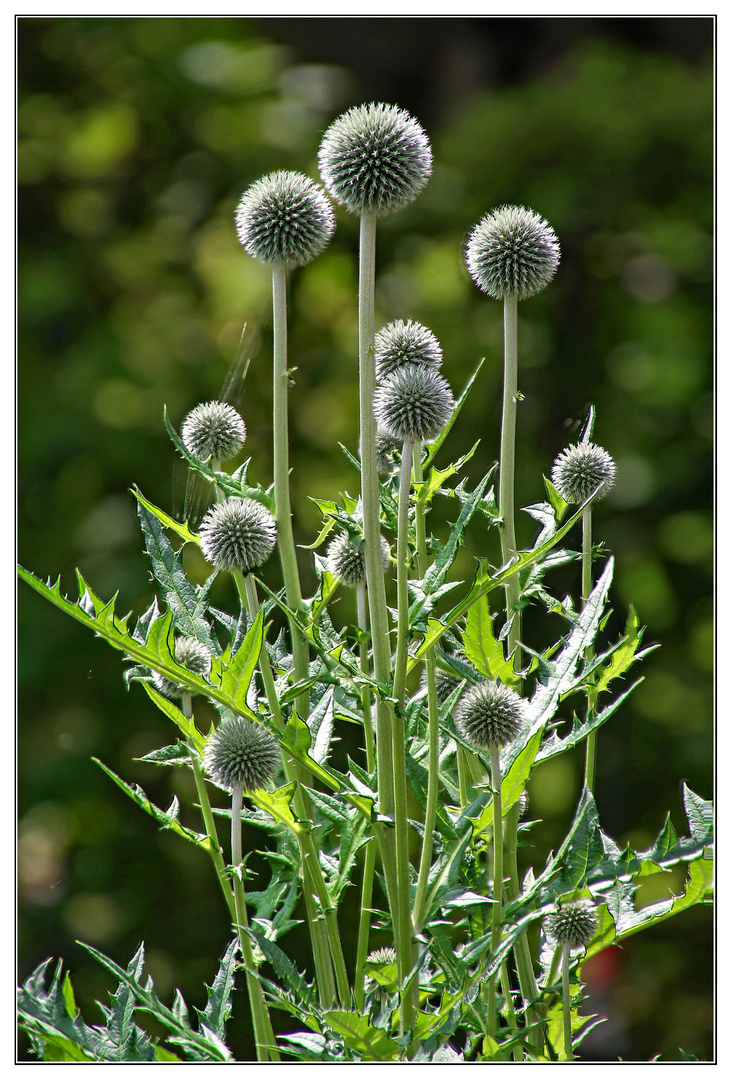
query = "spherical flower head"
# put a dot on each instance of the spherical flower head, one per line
(375, 159)
(573, 924)
(213, 430)
(580, 469)
(405, 343)
(238, 534)
(413, 403)
(347, 559)
(241, 753)
(512, 252)
(190, 654)
(284, 218)
(489, 714)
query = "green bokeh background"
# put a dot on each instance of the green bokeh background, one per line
(136, 138)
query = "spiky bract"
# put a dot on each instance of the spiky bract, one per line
(238, 534)
(375, 159)
(284, 218)
(386, 955)
(572, 924)
(190, 654)
(512, 251)
(581, 468)
(489, 714)
(401, 343)
(413, 403)
(347, 559)
(213, 430)
(241, 753)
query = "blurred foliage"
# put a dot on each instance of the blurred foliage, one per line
(136, 138)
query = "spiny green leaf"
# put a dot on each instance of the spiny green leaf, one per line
(218, 1005)
(481, 646)
(166, 819)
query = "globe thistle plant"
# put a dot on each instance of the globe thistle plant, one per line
(401, 343)
(413, 404)
(375, 159)
(190, 654)
(572, 926)
(512, 252)
(489, 714)
(241, 754)
(238, 534)
(582, 468)
(284, 218)
(347, 560)
(213, 430)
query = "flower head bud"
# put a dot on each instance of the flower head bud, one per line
(190, 654)
(413, 403)
(580, 469)
(386, 955)
(238, 534)
(405, 343)
(512, 252)
(347, 559)
(573, 924)
(241, 753)
(489, 714)
(375, 159)
(213, 430)
(284, 218)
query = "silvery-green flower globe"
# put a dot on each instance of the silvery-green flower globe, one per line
(489, 714)
(512, 252)
(347, 559)
(241, 753)
(238, 534)
(572, 924)
(414, 403)
(213, 430)
(284, 218)
(375, 159)
(580, 469)
(190, 654)
(407, 342)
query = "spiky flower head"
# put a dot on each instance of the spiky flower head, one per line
(241, 753)
(284, 218)
(238, 534)
(405, 343)
(512, 252)
(190, 654)
(375, 159)
(489, 714)
(572, 924)
(347, 559)
(413, 403)
(386, 955)
(581, 468)
(213, 430)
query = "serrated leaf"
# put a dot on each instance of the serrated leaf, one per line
(286, 971)
(481, 646)
(166, 819)
(369, 1042)
(218, 1005)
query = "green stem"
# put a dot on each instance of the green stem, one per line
(566, 1007)
(285, 539)
(591, 747)
(496, 907)
(433, 723)
(507, 467)
(263, 1034)
(324, 934)
(209, 821)
(510, 1011)
(381, 648)
(368, 726)
(522, 952)
(364, 919)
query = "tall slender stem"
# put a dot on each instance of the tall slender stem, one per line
(497, 905)
(591, 747)
(369, 863)
(370, 500)
(522, 952)
(285, 539)
(405, 930)
(263, 1034)
(566, 1005)
(433, 721)
(507, 465)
